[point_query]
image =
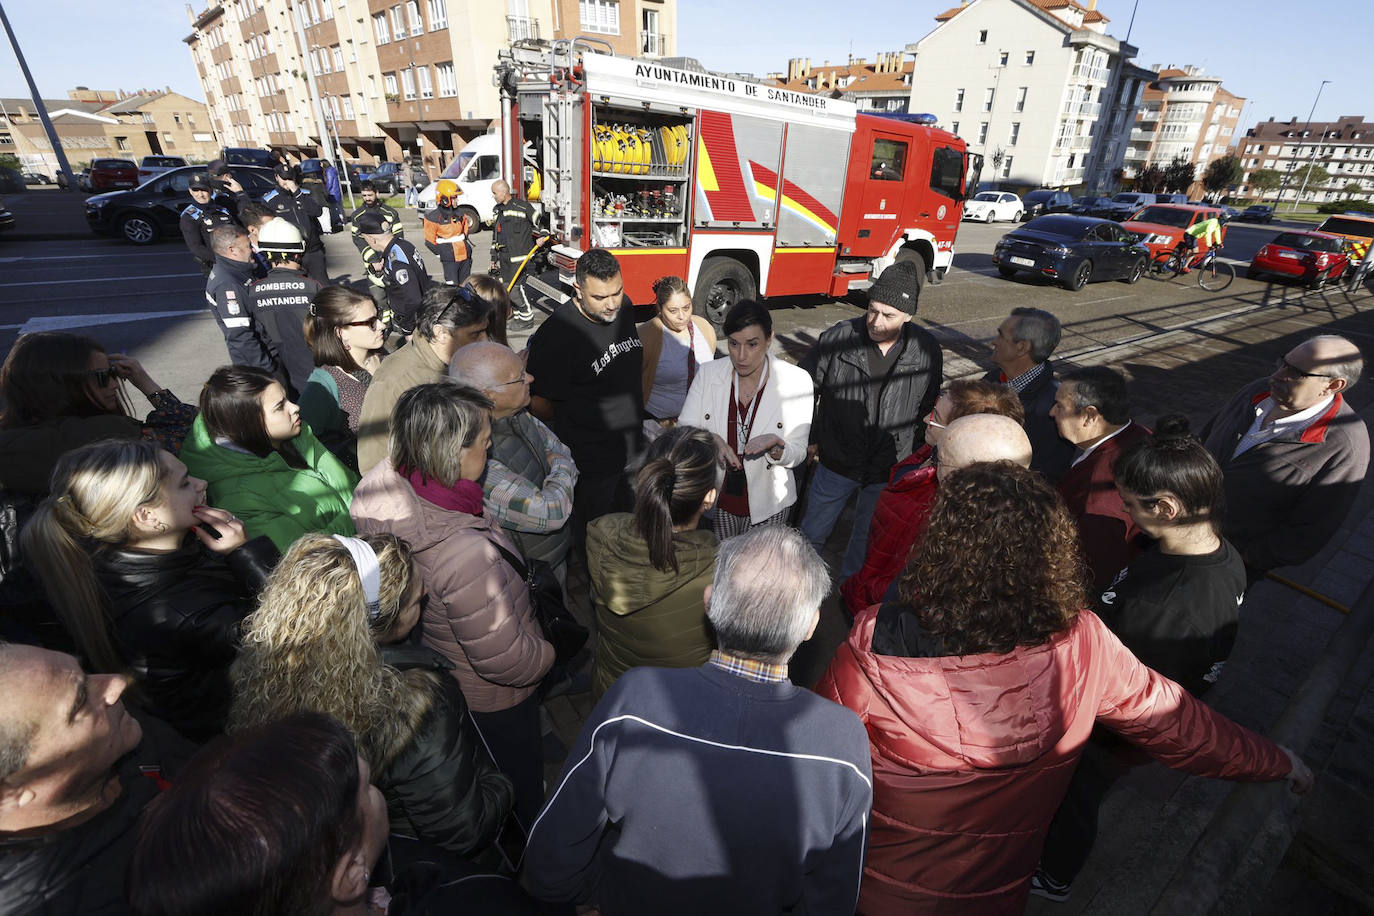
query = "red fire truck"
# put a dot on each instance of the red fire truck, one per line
(741, 188)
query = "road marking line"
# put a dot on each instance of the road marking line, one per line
(65, 322)
(91, 257)
(54, 282)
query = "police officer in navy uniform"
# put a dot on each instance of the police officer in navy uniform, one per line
(300, 208)
(512, 240)
(402, 272)
(202, 217)
(280, 301)
(226, 293)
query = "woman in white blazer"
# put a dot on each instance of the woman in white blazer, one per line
(763, 433)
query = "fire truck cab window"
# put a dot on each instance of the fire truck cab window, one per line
(889, 160)
(946, 172)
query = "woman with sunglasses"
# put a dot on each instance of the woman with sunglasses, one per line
(63, 390)
(331, 635)
(903, 507)
(345, 333)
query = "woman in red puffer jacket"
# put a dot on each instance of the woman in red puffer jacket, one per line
(979, 689)
(904, 505)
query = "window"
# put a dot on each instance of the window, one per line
(954, 127)
(600, 16)
(448, 83)
(379, 26)
(413, 9)
(1006, 167)
(348, 108)
(982, 133)
(947, 172)
(983, 37)
(438, 14)
(338, 57)
(371, 86)
(1030, 58)
(889, 160)
(1015, 132)
(958, 100)
(326, 10)
(398, 21)
(1002, 61)
(176, 119)
(390, 80)
(334, 106)
(987, 99)
(1021, 99)
(122, 142)
(652, 41)
(408, 84)
(426, 87)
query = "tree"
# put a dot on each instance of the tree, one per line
(1352, 189)
(1314, 176)
(1265, 179)
(1179, 174)
(9, 161)
(1223, 173)
(1150, 180)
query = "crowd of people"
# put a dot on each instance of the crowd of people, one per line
(285, 650)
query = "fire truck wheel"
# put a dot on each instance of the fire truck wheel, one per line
(916, 258)
(721, 283)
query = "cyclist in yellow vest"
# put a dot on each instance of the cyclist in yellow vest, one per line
(1207, 231)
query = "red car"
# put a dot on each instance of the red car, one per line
(1313, 257)
(1161, 226)
(113, 174)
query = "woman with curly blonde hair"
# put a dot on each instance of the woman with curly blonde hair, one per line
(980, 688)
(313, 646)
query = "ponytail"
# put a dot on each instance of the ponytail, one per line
(680, 470)
(95, 491)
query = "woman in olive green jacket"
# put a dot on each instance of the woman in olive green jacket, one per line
(650, 570)
(262, 463)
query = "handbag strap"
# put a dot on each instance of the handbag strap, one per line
(515, 562)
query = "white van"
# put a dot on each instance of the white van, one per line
(475, 167)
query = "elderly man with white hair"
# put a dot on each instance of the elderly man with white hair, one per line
(723, 788)
(1293, 453)
(528, 484)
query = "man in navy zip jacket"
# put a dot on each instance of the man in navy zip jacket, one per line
(720, 789)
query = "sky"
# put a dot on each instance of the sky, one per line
(1259, 48)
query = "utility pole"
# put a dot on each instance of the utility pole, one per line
(1308, 129)
(295, 12)
(56, 144)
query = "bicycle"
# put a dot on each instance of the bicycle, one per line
(1213, 274)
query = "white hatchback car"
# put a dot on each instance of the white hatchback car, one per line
(987, 206)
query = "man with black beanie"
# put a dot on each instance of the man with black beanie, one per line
(876, 380)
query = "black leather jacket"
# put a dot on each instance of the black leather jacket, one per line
(442, 788)
(176, 621)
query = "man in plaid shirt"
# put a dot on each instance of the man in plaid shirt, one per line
(528, 484)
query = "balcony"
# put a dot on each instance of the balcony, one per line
(1136, 155)
(1147, 114)
(1142, 136)
(1073, 144)
(1068, 176)
(653, 44)
(522, 28)
(1083, 110)
(1085, 74)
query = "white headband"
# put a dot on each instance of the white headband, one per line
(369, 571)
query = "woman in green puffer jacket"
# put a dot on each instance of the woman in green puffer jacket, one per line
(650, 570)
(262, 463)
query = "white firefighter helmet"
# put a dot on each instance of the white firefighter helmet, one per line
(280, 237)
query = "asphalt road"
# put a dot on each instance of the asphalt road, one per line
(149, 301)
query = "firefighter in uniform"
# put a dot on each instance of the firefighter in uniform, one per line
(402, 272)
(201, 218)
(446, 233)
(299, 207)
(280, 301)
(513, 238)
(226, 293)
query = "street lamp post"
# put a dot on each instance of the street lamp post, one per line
(1306, 130)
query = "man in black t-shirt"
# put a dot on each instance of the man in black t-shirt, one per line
(586, 360)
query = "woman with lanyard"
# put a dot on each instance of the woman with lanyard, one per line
(759, 410)
(676, 344)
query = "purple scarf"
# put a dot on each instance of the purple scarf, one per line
(463, 496)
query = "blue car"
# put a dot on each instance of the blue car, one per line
(386, 177)
(1072, 251)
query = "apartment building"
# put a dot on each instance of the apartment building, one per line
(1183, 113)
(880, 85)
(393, 78)
(1037, 87)
(1344, 147)
(104, 123)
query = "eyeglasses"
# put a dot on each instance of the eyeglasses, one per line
(374, 321)
(102, 376)
(1292, 371)
(514, 381)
